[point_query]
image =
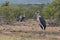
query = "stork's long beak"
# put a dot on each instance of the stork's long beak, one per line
(34, 15)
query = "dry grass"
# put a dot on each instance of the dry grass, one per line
(29, 31)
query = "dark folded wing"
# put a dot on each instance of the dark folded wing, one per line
(43, 22)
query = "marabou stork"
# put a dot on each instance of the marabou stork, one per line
(22, 17)
(41, 20)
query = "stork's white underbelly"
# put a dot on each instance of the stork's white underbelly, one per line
(37, 19)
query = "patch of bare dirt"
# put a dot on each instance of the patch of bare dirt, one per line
(26, 29)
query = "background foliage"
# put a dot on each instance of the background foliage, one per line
(49, 11)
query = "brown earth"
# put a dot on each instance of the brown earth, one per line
(29, 29)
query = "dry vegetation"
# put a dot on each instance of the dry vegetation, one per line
(28, 31)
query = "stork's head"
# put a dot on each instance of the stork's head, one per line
(36, 13)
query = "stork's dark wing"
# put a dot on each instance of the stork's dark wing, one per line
(43, 22)
(22, 19)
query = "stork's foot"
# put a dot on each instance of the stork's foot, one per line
(43, 35)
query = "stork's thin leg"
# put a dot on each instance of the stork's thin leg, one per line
(44, 28)
(43, 34)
